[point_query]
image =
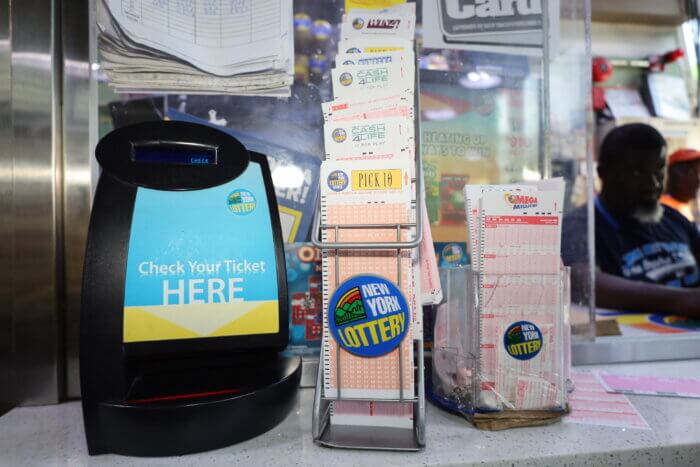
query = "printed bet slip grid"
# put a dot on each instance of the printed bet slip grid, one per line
(378, 377)
(650, 385)
(369, 295)
(515, 235)
(591, 404)
(368, 378)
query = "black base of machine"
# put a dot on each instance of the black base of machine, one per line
(180, 411)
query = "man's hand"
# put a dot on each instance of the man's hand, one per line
(624, 294)
(686, 302)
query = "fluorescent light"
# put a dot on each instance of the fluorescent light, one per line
(287, 176)
(480, 80)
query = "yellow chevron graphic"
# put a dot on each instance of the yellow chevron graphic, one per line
(156, 323)
(141, 326)
(263, 319)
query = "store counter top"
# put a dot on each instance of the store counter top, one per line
(54, 435)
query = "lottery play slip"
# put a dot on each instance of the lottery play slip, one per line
(515, 238)
(372, 297)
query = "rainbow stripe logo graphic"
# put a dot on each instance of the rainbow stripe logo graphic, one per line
(349, 308)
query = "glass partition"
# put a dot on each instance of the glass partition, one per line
(504, 108)
(571, 148)
(500, 106)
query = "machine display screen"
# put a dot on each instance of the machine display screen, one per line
(173, 154)
(202, 263)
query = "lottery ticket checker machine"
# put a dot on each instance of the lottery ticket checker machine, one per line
(184, 305)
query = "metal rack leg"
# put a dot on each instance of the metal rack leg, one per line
(419, 407)
(318, 421)
(398, 280)
(337, 347)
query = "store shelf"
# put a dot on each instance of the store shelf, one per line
(654, 12)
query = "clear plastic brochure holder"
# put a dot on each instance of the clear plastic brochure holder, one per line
(475, 368)
(369, 437)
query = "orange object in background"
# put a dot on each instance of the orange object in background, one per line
(677, 157)
(680, 206)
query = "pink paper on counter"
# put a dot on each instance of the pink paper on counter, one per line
(650, 385)
(430, 276)
(591, 404)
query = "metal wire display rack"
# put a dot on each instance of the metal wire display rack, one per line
(378, 438)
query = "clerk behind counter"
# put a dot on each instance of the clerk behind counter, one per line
(646, 254)
(683, 181)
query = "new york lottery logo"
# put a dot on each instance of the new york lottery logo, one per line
(241, 202)
(339, 135)
(452, 253)
(353, 50)
(368, 316)
(338, 180)
(523, 340)
(358, 23)
(345, 79)
(520, 201)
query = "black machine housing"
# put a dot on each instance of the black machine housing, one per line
(179, 396)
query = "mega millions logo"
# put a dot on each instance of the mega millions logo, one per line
(358, 23)
(523, 340)
(241, 202)
(518, 201)
(345, 79)
(338, 180)
(339, 135)
(368, 316)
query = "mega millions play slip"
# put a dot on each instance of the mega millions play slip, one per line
(515, 237)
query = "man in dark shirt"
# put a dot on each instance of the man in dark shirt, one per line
(646, 254)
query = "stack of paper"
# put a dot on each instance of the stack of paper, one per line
(354, 376)
(367, 180)
(240, 47)
(515, 234)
